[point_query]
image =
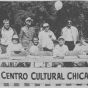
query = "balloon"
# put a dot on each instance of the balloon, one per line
(58, 5)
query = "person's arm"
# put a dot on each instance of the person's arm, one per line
(77, 33)
(9, 50)
(62, 32)
(0, 35)
(66, 49)
(21, 34)
(76, 48)
(34, 33)
(52, 36)
(40, 38)
(14, 32)
(55, 52)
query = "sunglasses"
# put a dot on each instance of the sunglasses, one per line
(46, 26)
(29, 21)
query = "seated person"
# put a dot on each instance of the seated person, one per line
(61, 48)
(73, 53)
(82, 46)
(15, 46)
(36, 47)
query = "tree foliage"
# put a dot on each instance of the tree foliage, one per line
(41, 11)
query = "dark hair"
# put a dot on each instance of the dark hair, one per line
(15, 39)
(36, 38)
(6, 20)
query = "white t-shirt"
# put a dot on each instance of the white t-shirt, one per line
(45, 40)
(6, 36)
(14, 47)
(60, 50)
(83, 47)
(69, 36)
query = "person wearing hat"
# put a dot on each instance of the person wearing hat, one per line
(60, 49)
(27, 33)
(70, 34)
(6, 34)
(14, 45)
(46, 38)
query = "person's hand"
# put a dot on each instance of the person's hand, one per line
(61, 57)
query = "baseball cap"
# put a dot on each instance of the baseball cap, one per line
(61, 37)
(45, 24)
(15, 36)
(27, 19)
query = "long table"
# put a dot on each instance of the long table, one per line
(84, 58)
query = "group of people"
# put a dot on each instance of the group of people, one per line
(44, 43)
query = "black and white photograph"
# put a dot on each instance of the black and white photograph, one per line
(44, 43)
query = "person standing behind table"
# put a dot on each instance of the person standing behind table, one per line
(70, 34)
(6, 34)
(27, 33)
(46, 38)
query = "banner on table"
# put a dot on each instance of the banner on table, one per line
(44, 75)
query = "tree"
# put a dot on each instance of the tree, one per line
(44, 11)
